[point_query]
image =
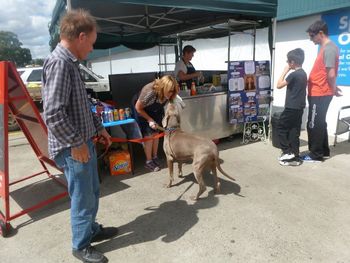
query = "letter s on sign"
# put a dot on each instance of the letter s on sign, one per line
(344, 23)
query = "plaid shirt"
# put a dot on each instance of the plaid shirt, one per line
(67, 111)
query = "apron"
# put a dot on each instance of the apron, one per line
(155, 111)
(190, 70)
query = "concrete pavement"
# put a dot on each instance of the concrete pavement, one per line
(270, 214)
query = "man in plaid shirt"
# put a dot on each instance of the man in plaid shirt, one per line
(71, 126)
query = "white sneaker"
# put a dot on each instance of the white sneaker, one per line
(292, 162)
(286, 156)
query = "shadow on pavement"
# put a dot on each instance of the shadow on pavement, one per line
(169, 221)
(342, 147)
(39, 191)
(227, 187)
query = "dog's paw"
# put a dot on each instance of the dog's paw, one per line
(217, 189)
(194, 198)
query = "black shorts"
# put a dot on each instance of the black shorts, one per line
(145, 129)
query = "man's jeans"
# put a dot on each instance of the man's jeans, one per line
(83, 189)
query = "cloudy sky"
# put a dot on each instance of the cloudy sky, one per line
(28, 19)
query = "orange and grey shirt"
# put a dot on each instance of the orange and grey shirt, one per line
(328, 57)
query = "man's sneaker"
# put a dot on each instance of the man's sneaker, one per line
(326, 156)
(89, 255)
(286, 156)
(307, 158)
(292, 162)
(150, 165)
(105, 233)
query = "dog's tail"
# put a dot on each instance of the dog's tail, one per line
(222, 171)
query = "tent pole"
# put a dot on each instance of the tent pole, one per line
(69, 5)
(110, 61)
(274, 21)
(229, 48)
(180, 48)
(165, 61)
(159, 59)
(254, 42)
(177, 48)
(179, 45)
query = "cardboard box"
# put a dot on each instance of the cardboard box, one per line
(119, 162)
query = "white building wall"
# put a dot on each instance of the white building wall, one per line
(212, 54)
(127, 62)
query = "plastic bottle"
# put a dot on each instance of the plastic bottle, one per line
(193, 89)
(115, 115)
(127, 113)
(121, 114)
(105, 118)
(110, 115)
(105, 115)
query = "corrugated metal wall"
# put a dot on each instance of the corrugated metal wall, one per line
(288, 9)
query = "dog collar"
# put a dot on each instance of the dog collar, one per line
(171, 130)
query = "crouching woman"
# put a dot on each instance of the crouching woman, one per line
(149, 111)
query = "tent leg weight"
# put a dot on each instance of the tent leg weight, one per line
(4, 228)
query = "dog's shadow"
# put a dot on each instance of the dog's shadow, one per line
(169, 221)
(227, 186)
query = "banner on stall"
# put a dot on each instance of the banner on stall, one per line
(249, 88)
(339, 32)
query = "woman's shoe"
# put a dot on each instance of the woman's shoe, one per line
(150, 165)
(156, 161)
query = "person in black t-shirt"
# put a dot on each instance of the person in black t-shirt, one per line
(289, 124)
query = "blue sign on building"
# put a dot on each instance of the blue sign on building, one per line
(339, 32)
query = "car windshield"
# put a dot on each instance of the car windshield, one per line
(86, 76)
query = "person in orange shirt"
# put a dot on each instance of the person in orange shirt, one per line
(321, 89)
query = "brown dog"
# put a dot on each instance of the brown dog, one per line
(180, 146)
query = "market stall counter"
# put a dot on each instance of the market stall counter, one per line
(206, 115)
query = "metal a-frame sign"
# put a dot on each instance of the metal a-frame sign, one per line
(15, 98)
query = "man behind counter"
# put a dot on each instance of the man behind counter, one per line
(184, 71)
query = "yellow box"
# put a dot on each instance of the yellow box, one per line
(119, 162)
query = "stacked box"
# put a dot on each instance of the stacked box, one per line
(119, 162)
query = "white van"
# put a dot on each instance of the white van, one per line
(31, 77)
(93, 81)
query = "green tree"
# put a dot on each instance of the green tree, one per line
(37, 61)
(11, 50)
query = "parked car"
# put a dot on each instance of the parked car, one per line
(93, 81)
(31, 77)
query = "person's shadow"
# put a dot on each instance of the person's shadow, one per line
(169, 221)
